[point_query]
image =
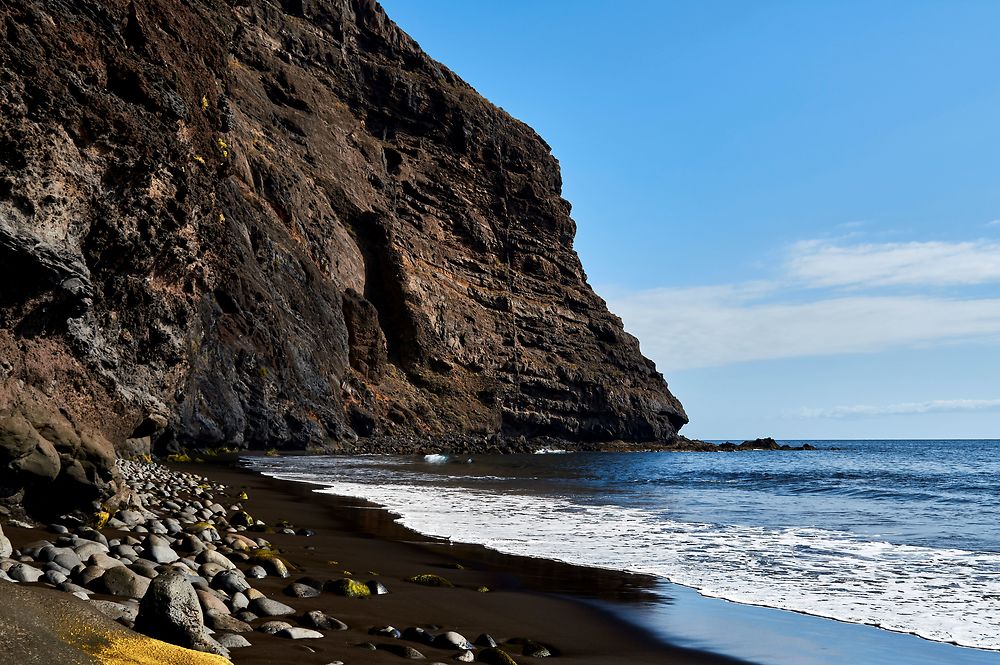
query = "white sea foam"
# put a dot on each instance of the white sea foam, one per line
(435, 459)
(949, 595)
(551, 451)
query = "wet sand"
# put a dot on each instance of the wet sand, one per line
(542, 600)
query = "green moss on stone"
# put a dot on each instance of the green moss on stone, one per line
(349, 588)
(429, 579)
(495, 657)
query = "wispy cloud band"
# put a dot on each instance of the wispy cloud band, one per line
(688, 328)
(906, 408)
(827, 300)
(823, 264)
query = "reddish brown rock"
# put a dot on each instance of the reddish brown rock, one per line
(287, 228)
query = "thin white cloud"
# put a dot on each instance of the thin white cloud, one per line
(906, 408)
(714, 326)
(818, 263)
(995, 222)
(819, 305)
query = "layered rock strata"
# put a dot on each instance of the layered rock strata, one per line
(281, 224)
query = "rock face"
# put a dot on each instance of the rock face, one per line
(263, 223)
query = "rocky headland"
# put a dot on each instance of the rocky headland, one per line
(280, 225)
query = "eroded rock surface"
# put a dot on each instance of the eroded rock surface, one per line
(254, 223)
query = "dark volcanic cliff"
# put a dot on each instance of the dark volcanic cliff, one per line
(279, 223)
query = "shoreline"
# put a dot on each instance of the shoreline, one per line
(541, 599)
(823, 631)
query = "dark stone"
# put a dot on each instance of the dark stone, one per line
(400, 650)
(385, 631)
(495, 656)
(317, 619)
(418, 635)
(170, 612)
(297, 590)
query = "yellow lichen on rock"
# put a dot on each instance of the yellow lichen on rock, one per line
(429, 579)
(123, 648)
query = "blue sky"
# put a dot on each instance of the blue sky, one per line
(794, 205)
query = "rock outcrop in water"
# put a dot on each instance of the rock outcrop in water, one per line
(264, 224)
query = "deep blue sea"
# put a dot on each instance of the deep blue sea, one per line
(902, 535)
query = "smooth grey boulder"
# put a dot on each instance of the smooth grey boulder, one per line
(317, 619)
(67, 559)
(211, 556)
(268, 607)
(121, 612)
(22, 572)
(87, 576)
(6, 549)
(299, 634)
(273, 627)
(211, 601)
(121, 581)
(452, 640)
(256, 572)
(87, 549)
(299, 590)
(54, 577)
(105, 561)
(232, 641)
(156, 548)
(230, 581)
(226, 623)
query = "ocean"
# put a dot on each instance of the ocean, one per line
(900, 535)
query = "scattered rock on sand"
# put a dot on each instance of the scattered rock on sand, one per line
(418, 635)
(273, 627)
(452, 640)
(429, 579)
(299, 590)
(317, 619)
(401, 650)
(495, 656)
(225, 622)
(385, 631)
(347, 587)
(232, 641)
(299, 634)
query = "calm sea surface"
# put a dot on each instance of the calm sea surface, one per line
(903, 535)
